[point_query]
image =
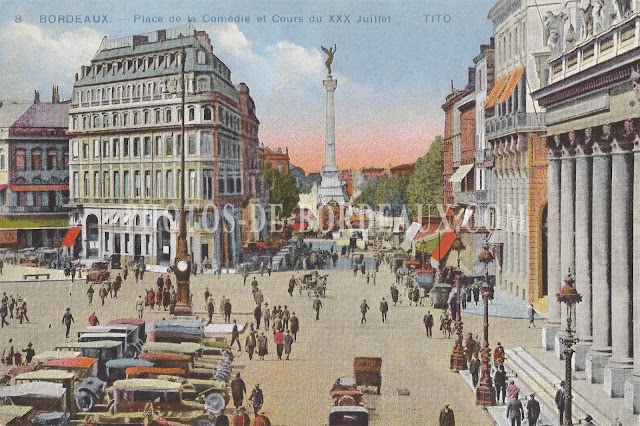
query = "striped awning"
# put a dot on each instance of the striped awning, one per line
(460, 173)
(503, 88)
(71, 236)
(39, 187)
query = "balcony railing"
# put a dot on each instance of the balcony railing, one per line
(519, 121)
(464, 197)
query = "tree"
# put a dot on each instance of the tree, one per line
(366, 195)
(391, 191)
(282, 189)
(426, 183)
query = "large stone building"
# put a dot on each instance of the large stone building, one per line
(36, 161)
(593, 133)
(126, 140)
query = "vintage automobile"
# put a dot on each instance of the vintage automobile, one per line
(34, 397)
(133, 395)
(52, 377)
(89, 393)
(348, 416)
(82, 367)
(104, 350)
(116, 368)
(132, 336)
(367, 372)
(98, 273)
(115, 261)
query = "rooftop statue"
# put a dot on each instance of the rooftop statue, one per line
(330, 52)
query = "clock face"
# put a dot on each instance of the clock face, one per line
(182, 265)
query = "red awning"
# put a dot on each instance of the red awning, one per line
(70, 238)
(3, 186)
(39, 187)
(443, 247)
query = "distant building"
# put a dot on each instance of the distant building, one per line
(279, 160)
(403, 170)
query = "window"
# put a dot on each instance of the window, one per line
(85, 122)
(86, 184)
(147, 145)
(139, 91)
(75, 123)
(157, 116)
(169, 182)
(106, 187)
(105, 149)
(66, 160)
(159, 185)
(147, 116)
(158, 145)
(136, 184)
(125, 119)
(115, 144)
(116, 120)
(167, 115)
(116, 185)
(201, 57)
(96, 148)
(96, 121)
(2, 159)
(238, 185)
(192, 114)
(21, 160)
(125, 147)
(203, 84)
(74, 148)
(106, 241)
(136, 117)
(221, 188)
(96, 184)
(206, 144)
(125, 182)
(192, 144)
(192, 184)
(147, 184)
(126, 243)
(85, 150)
(179, 144)
(207, 184)
(105, 121)
(207, 114)
(36, 159)
(168, 145)
(136, 147)
(230, 185)
(76, 185)
(52, 159)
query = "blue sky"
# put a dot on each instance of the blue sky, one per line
(392, 77)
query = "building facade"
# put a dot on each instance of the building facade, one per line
(593, 134)
(127, 135)
(451, 136)
(279, 160)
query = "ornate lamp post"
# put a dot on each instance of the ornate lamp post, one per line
(458, 361)
(484, 391)
(570, 296)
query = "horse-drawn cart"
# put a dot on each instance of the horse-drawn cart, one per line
(313, 283)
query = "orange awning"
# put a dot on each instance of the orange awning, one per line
(3, 186)
(495, 92)
(514, 77)
(443, 247)
(70, 238)
(79, 362)
(39, 187)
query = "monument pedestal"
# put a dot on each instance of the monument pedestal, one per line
(616, 374)
(632, 394)
(330, 188)
(548, 337)
(579, 359)
(596, 362)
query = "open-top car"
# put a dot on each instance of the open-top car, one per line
(98, 273)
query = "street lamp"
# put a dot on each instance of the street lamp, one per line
(570, 296)
(458, 361)
(484, 391)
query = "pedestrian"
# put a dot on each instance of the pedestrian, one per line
(17, 357)
(512, 390)
(251, 343)
(428, 323)
(532, 316)
(158, 297)
(241, 418)
(447, 417)
(257, 314)
(498, 355)
(139, 307)
(29, 353)
(292, 285)
(117, 285)
(262, 346)
(533, 410)
(475, 289)
(23, 312)
(294, 326)
(12, 305)
(559, 400)
(73, 274)
(368, 277)
(373, 277)
(266, 316)
(235, 336)
(416, 295)
(515, 412)
(269, 268)
(238, 389)
(364, 308)
(90, 292)
(8, 353)
(384, 307)
(166, 298)
(500, 383)
(173, 300)
(110, 289)
(257, 398)
(126, 271)
(474, 369)
(210, 309)
(102, 293)
(1, 266)
(93, 320)
(227, 311)
(288, 343)
(317, 305)
(355, 270)
(463, 297)
(67, 319)
(3, 312)
(278, 338)
(285, 318)
(394, 294)
(151, 298)
(207, 294)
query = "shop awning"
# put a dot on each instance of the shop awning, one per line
(514, 77)
(39, 187)
(460, 173)
(3, 186)
(492, 98)
(71, 236)
(444, 246)
(35, 221)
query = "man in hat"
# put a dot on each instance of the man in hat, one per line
(257, 398)
(139, 306)
(29, 353)
(364, 307)
(533, 410)
(67, 319)
(238, 389)
(447, 417)
(559, 400)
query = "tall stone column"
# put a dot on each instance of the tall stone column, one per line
(330, 86)
(600, 352)
(583, 248)
(620, 365)
(554, 276)
(567, 223)
(632, 386)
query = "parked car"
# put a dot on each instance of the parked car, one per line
(99, 272)
(115, 260)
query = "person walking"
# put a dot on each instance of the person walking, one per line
(29, 353)
(394, 294)
(257, 314)
(294, 326)
(278, 338)
(364, 308)
(207, 294)
(515, 412)
(266, 316)
(317, 305)
(286, 316)
(238, 389)
(475, 289)
(73, 274)
(373, 277)
(12, 305)
(533, 410)
(288, 342)
(235, 336)
(428, 323)
(173, 300)
(102, 293)
(151, 299)
(474, 369)
(139, 307)
(136, 273)
(3, 312)
(90, 292)
(8, 354)
(210, 309)
(125, 274)
(292, 285)
(93, 320)
(498, 355)
(67, 319)
(559, 400)
(262, 346)
(117, 285)
(257, 399)
(500, 383)
(384, 307)
(532, 316)
(251, 343)
(447, 418)
(227, 312)
(166, 298)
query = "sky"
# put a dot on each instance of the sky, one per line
(393, 76)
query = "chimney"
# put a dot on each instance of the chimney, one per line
(55, 96)
(36, 97)
(451, 85)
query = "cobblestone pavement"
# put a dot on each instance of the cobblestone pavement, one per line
(297, 391)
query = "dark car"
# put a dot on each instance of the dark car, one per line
(115, 260)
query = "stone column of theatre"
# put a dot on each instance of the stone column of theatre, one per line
(583, 251)
(632, 386)
(553, 244)
(567, 226)
(600, 352)
(621, 362)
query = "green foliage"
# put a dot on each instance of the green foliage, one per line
(390, 191)
(366, 196)
(426, 183)
(282, 189)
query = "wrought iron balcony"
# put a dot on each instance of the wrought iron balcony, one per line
(519, 122)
